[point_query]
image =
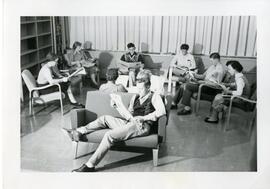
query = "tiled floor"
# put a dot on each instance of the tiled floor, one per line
(192, 145)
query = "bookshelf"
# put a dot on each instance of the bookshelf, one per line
(36, 41)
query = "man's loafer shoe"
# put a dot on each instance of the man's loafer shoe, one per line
(73, 134)
(174, 107)
(84, 168)
(210, 121)
(184, 112)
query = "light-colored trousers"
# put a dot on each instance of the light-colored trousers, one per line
(120, 130)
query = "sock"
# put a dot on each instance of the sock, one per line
(187, 108)
(70, 95)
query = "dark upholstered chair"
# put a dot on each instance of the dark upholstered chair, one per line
(247, 105)
(98, 104)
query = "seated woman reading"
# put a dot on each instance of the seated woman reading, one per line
(242, 88)
(77, 57)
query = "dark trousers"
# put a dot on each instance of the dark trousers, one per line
(178, 94)
(193, 88)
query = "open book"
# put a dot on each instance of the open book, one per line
(182, 69)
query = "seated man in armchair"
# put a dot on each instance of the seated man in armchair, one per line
(130, 57)
(182, 62)
(213, 75)
(144, 110)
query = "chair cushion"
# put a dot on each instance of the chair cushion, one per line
(48, 97)
(99, 103)
(150, 141)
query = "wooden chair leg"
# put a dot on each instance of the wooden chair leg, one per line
(170, 81)
(155, 156)
(30, 106)
(252, 123)
(61, 105)
(228, 117)
(75, 146)
(198, 103)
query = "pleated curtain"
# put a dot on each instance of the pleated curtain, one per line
(228, 35)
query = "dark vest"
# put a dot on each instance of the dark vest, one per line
(133, 58)
(143, 109)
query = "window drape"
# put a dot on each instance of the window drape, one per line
(228, 35)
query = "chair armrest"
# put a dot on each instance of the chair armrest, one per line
(162, 127)
(81, 117)
(211, 85)
(45, 87)
(205, 85)
(244, 99)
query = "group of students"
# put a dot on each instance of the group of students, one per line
(76, 58)
(146, 107)
(230, 81)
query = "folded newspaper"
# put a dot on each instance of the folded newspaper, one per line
(130, 64)
(79, 71)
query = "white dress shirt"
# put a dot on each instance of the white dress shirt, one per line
(156, 102)
(215, 73)
(184, 60)
(240, 84)
(45, 75)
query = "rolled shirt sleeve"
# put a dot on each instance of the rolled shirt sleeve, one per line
(240, 84)
(159, 109)
(192, 62)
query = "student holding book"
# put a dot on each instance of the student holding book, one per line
(241, 87)
(213, 75)
(130, 63)
(183, 62)
(77, 57)
(50, 74)
(144, 110)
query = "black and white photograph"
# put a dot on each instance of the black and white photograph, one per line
(141, 93)
(103, 93)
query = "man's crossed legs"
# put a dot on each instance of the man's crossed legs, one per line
(121, 130)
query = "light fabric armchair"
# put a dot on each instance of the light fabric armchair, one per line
(98, 104)
(35, 97)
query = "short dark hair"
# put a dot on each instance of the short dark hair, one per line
(237, 66)
(51, 56)
(112, 74)
(184, 46)
(76, 44)
(215, 55)
(229, 62)
(130, 45)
